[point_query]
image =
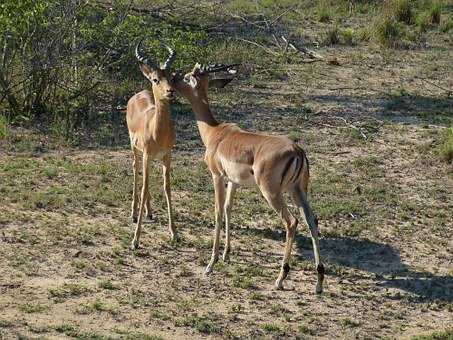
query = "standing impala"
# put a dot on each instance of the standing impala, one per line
(151, 133)
(274, 163)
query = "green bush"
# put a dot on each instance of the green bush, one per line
(347, 36)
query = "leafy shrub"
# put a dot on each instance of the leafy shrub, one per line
(347, 36)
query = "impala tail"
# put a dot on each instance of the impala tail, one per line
(295, 166)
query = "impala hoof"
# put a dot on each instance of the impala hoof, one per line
(175, 237)
(208, 270)
(318, 289)
(135, 245)
(226, 257)
(279, 284)
(134, 219)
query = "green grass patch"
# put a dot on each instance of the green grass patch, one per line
(446, 145)
(446, 25)
(349, 323)
(305, 330)
(434, 12)
(107, 284)
(98, 306)
(441, 335)
(387, 31)
(67, 291)
(30, 308)
(347, 36)
(257, 296)
(402, 11)
(273, 329)
(3, 127)
(332, 36)
(206, 324)
(68, 330)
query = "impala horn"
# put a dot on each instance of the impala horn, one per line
(171, 57)
(142, 58)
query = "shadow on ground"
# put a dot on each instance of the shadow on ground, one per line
(384, 262)
(372, 257)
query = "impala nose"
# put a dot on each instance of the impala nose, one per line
(171, 94)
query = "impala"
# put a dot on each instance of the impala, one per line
(273, 163)
(151, 134)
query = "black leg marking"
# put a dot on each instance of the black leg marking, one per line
(321, 271)
(286, 269)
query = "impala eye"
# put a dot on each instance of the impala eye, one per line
(155, 80)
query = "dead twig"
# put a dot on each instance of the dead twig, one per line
(301, 49)
(359, 130)
(268, 50)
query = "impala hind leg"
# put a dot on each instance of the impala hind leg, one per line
(135, 166)
(219, 189)
(138, 228)
(300, 199)
(231, 190)
(166, 161)
(278, 204)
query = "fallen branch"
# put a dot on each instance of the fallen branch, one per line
(268, 50)
(310, 53)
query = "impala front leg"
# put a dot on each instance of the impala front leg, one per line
(135, 166)
(138, 228)
(219, 188)
(231, 189)
(166, 173)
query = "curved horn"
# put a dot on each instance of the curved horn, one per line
(141, 58)
(171, 57)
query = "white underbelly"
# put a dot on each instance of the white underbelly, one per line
(238, 173)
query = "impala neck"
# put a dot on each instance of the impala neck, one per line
(162, 127)
(205, 120)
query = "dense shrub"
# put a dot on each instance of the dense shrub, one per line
(71, 63)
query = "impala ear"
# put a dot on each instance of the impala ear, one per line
(219, 82)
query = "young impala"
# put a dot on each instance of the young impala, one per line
(274, 163)
(151, 133)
